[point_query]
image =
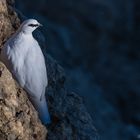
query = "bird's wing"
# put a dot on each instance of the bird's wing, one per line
(36, 75)
(10, 57)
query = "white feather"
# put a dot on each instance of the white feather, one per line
(23, 57)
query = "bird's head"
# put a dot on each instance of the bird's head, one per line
(28, 26)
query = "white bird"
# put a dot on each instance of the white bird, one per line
(23, 57)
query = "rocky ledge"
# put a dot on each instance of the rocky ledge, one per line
(18, 118)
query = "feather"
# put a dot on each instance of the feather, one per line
(23, 57)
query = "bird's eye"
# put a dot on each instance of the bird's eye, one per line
(33, 25)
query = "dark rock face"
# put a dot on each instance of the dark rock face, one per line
(98, 44)
(70, 118)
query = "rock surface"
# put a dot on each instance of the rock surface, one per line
(70, 118)
(18, 118)
(8, 21)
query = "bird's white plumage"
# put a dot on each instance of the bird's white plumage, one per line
(23, 57)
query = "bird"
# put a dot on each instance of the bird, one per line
(23, 57)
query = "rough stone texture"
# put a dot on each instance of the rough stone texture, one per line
(70, 118)
(18, 119)
(8, 21)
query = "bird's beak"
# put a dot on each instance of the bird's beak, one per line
(40, 25)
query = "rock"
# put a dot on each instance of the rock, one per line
(18, 118)
(71, 120)
(9, 21)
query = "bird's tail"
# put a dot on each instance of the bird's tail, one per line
(42, 109)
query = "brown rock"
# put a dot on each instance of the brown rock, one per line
(8, 21)
(18, 118)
